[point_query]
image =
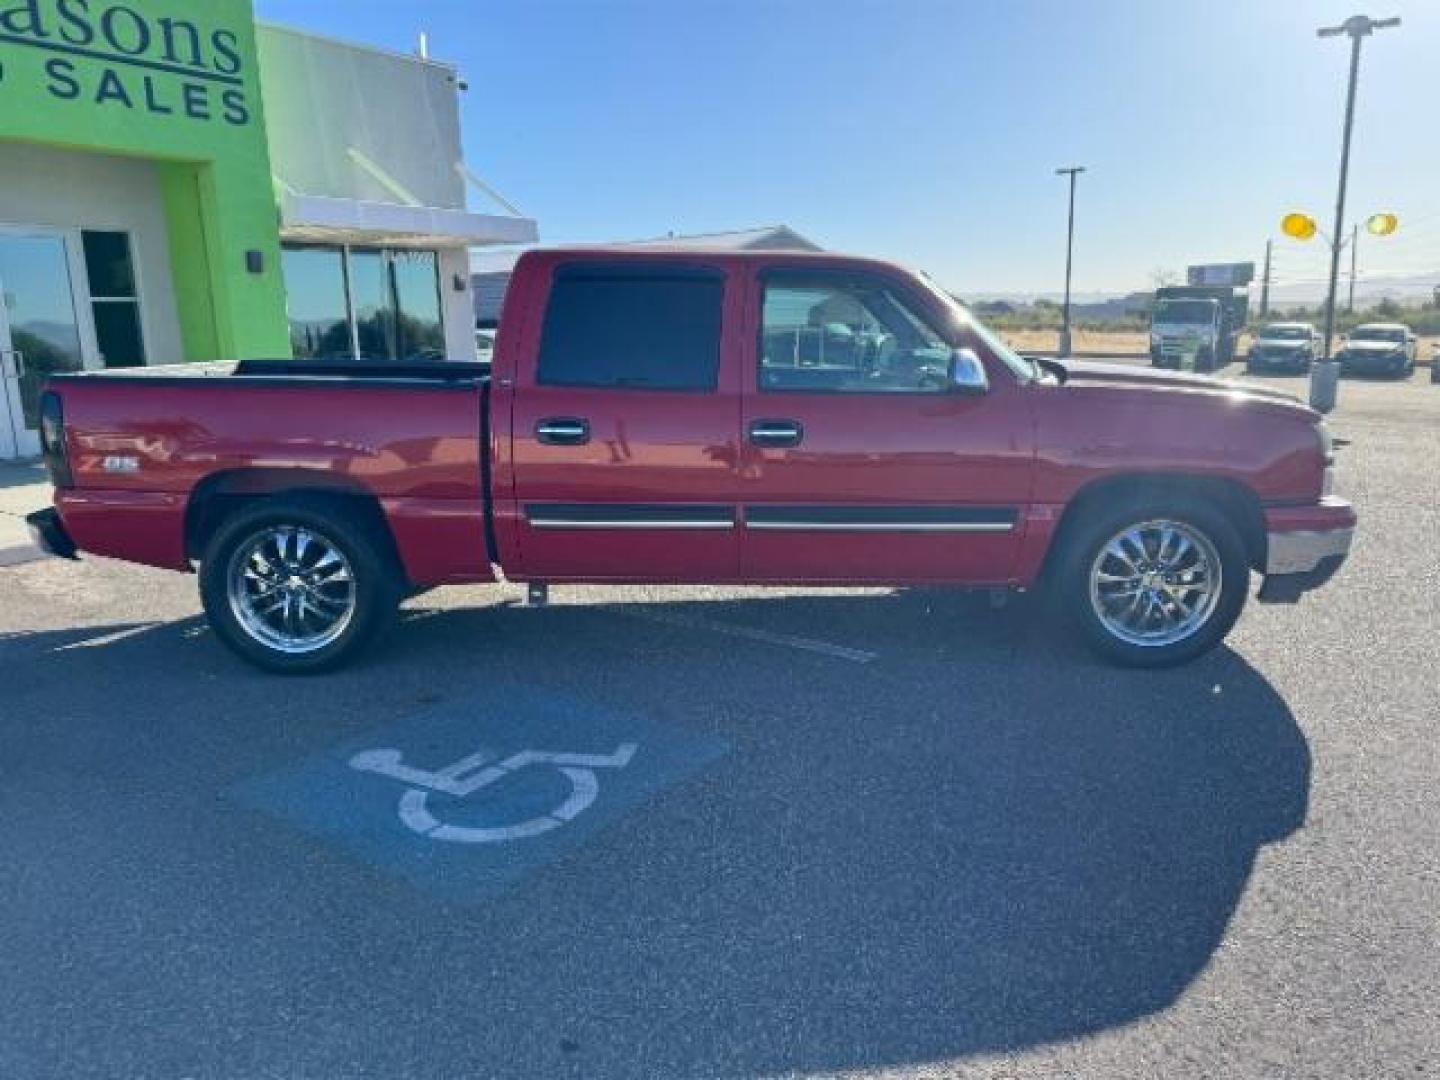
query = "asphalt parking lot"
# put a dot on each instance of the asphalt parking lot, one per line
(858, 832)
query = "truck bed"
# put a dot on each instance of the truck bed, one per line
(442, 374)
(406, 437)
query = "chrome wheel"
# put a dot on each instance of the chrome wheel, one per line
(1156, 583)
(291, 589)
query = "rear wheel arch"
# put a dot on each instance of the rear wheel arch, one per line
(220, 496)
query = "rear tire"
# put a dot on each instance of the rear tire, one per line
(297, 584)
(1164, 602)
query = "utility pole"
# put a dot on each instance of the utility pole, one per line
(1326, 375)
(1265, 282)
(1072, 172)
(1354, 247)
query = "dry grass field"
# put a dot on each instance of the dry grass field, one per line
(1130, 343)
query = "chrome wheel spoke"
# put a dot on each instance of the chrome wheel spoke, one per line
(302, 545)
(1115, 551)
(330, 565)
(1184, 548)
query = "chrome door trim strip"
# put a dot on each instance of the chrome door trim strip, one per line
(562, 523)
(669, 516)
(872, 526)
(791, 517)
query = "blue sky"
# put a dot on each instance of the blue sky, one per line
(928, 130)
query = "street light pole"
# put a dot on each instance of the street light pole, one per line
(1072, 172)
(1326, 373)
(1354, 258)
(1265, 282)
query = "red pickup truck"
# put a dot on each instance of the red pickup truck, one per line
(656, 416)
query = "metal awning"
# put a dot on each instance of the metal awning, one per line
(322, 220)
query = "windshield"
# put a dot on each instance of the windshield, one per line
(1285, 333)
(1378, 333)
(1185, 311)
(964, 317)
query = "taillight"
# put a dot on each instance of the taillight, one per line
(52, 440)
(1327, 458)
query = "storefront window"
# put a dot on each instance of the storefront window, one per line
(373, 303)
(316, 298)
(114, 300)
(420, 331)
(374, 307)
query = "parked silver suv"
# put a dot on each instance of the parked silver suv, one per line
(1286, 346)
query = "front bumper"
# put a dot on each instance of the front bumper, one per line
(1306, 546)
(1278, 361)
(49, 534)
(1384, 364)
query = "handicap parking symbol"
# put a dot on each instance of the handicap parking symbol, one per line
(468, 775)
(468, 798)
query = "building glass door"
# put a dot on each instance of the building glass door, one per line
(43, 330)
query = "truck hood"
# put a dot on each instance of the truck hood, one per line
(1125, 376)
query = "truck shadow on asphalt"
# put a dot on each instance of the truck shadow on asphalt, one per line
(978, 842)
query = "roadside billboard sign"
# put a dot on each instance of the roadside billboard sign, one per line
(1234, 275)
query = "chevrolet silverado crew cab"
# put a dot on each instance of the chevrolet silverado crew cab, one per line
(758, 418)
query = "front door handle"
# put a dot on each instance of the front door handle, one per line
(777, 434)
(563, 431)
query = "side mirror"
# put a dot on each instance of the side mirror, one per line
(967, 373)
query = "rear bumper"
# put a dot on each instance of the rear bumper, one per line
(48, 532)
(1306, 546)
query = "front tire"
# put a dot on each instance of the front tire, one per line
(1154, 582)
(299, 584)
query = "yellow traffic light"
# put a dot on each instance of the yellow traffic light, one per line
(1382, 224)
(1299, 226)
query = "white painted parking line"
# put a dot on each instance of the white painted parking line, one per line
(691, 622)
(107, 639)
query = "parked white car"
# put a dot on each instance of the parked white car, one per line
(1379, 349)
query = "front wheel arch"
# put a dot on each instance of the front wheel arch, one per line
(1239, 504)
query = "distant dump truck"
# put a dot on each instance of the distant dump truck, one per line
(1197, 326)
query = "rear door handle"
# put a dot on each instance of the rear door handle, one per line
(777, 434)
(563, 431)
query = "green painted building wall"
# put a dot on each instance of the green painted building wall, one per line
(175, 82)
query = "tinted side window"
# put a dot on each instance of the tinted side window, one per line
(847, 337)
(628, 330)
